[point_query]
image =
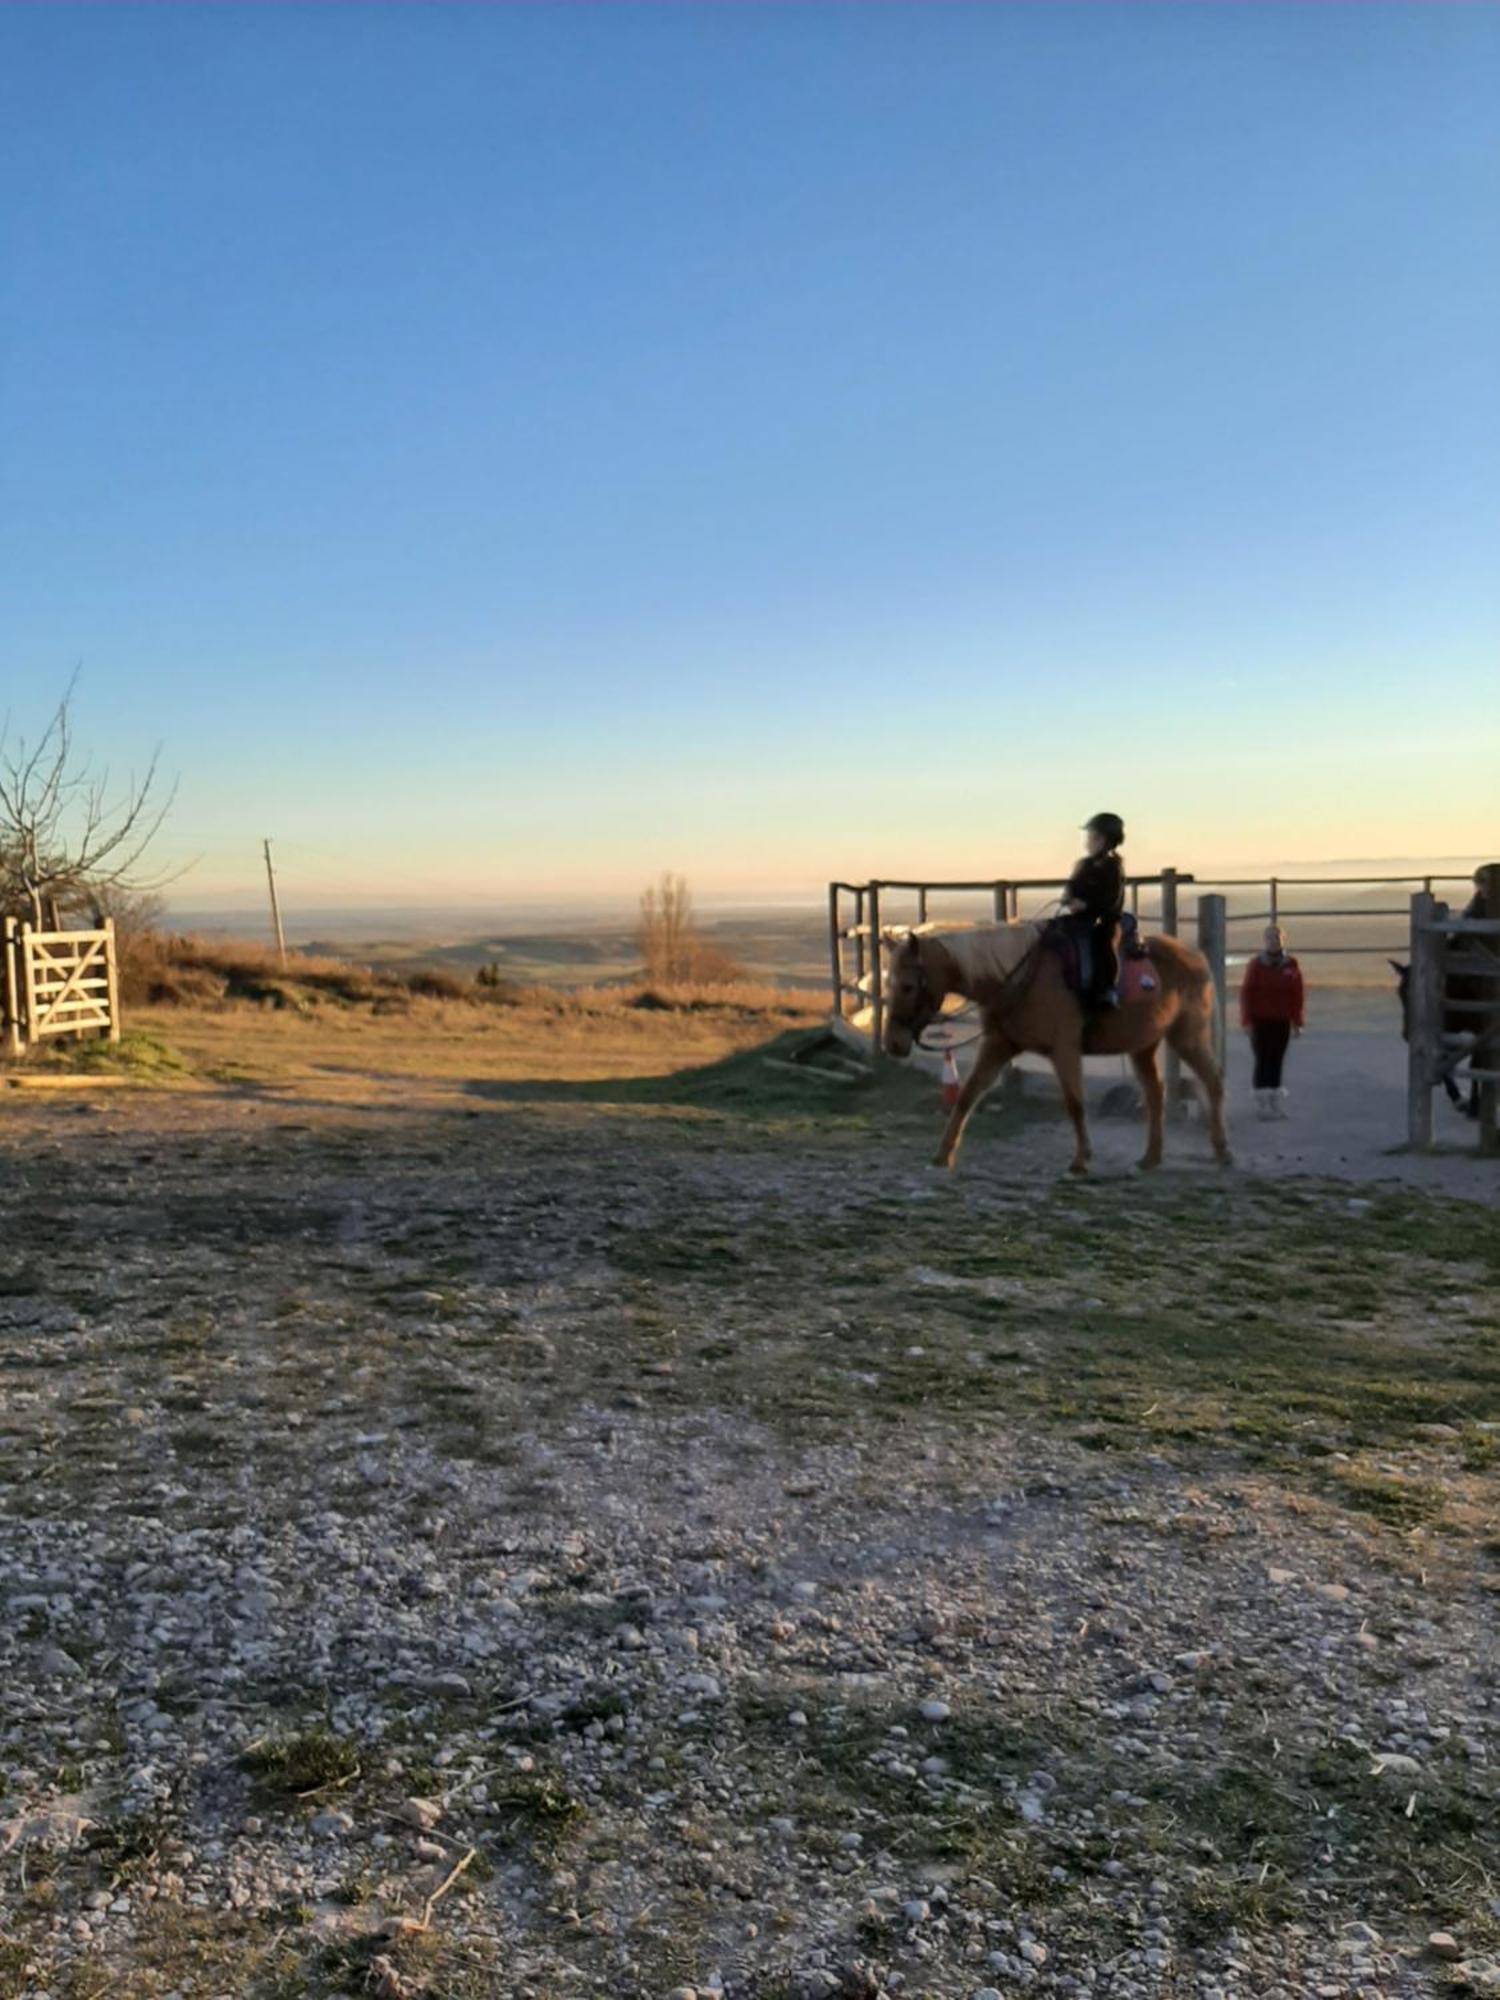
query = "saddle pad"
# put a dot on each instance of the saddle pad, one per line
(1138, 979)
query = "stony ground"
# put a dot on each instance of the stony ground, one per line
(520, 1545)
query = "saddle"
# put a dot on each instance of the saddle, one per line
(1136, 977)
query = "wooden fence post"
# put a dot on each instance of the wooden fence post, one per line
(1424, 1018)
(1173, 1065)
(877, 994)
(112, 979)
(836, 949)
(1487, 1044)
(1000, 900)
(1212, 942)
(10, 986)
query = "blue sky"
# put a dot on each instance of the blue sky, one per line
(504, 449)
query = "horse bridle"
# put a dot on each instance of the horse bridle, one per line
(1024, 965)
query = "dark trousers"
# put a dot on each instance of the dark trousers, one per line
(1269, 1039)
(1095, 945)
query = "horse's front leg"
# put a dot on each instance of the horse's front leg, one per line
(994, 1053)
(1067, 1061)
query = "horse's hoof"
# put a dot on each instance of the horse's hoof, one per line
(1150, 1163)
(1226, 1158)
(942, 1164)
(1079, 1168)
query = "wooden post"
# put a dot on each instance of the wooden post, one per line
(1012, 903)
(275, 906)
(1275, 901)
(836, 950)
(877, 996)
(859, 945)
(1487, 1043)
(26, 962)
(921, 906)
(10, 986)
(1000, 900)
(1172, 1067)
(1169, 901)
(1424, 1018)
(112, 979)
(1212, 942)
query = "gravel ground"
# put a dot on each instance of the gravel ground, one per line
(544, 1549)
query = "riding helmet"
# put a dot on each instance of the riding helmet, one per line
(1109, 827)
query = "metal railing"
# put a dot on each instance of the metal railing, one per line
(1279, 888)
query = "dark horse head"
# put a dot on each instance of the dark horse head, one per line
(913, 995)
(1470, 1105)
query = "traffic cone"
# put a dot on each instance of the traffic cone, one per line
(952, 1083)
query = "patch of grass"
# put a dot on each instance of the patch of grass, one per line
(143, 1057)
(1400, 1503)
(539, 1810)
(306, 1761)
(1213, 1905)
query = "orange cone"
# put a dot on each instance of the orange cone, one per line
(952, 1083)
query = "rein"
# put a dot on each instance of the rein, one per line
(1022, 965)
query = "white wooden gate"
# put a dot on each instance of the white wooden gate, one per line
(58, 983)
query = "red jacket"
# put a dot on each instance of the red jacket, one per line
(1271, 992)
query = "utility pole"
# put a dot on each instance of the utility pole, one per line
(275, 906)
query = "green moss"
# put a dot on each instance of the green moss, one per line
(306, 1761)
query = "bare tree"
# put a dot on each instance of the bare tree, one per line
(68, 836)
(665, 931)
(673, 950)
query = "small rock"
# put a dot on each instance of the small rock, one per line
(1443, 1944)
(423, 1814)
(385, 1981)
(1393, 1764)
(935, 1711)
(1032, 1951)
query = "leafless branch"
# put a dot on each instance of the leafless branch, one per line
(67, 834)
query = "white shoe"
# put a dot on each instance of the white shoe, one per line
(1278, 1104)
(1263, 1105)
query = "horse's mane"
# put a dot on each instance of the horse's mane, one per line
(987, 951)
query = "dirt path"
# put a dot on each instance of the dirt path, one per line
(784, 1571)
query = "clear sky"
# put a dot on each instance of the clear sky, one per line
(500, 449)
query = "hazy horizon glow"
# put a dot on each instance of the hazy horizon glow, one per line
(501, 453)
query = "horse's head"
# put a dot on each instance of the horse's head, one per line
(914, 990)
(1403, 991)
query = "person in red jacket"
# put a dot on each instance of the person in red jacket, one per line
(1271, 1013)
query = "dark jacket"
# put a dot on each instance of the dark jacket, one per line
(1097, 884)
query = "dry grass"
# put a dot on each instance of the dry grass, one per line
(421, 1050)
(158, 970)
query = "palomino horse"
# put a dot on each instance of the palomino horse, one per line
(1026, 1006)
